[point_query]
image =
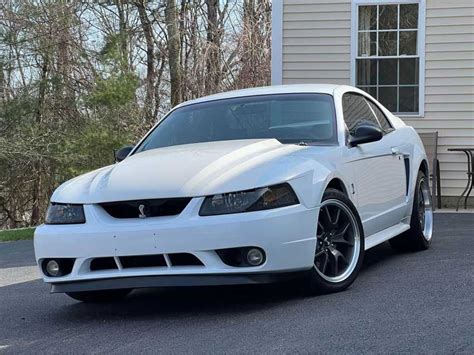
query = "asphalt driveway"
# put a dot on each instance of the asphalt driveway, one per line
(415, 302)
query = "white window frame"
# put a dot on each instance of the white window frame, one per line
(420, 45)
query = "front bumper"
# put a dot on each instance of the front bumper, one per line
(287, 235)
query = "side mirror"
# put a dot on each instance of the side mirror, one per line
(365, 133)
(122, 153)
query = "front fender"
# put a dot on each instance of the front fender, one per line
(310, 186)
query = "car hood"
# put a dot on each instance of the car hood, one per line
(189, 170)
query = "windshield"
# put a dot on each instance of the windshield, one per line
(289, 118)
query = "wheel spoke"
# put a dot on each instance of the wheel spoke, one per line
(323, 268)
(321, 230)
(336, 257)
(319, 253)
(338, 215)
(339, 237)
(421, 207)
(334, 264)
(341, 240)
(328, 215)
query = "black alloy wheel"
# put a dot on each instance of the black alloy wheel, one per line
(339, 244)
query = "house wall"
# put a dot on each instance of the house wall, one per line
(316, 40)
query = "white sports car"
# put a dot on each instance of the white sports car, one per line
(250, 186)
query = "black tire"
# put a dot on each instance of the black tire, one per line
(99, 296)
(317, 283)
(414, 238)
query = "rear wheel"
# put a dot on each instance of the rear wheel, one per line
(339, 245)
(99, 296)
(418, 237)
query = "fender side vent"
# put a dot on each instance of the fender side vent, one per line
(407, 173)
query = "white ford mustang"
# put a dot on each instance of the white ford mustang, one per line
(250, 186)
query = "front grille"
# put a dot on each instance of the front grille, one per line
(146, 208)
(145, 261)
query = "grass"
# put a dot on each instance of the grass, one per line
(16, 234)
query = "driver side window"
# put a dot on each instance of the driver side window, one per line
(356, 110)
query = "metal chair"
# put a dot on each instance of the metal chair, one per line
(430, 141)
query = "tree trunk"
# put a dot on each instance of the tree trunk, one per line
(3, 98)
(123, 35)
(213, 47)
(150, 59)
(35, 196)
(173, 52)
(65, 95)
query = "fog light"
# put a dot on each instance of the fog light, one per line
(255, 257)
(52, 268)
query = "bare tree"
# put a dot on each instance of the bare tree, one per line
(80, 78)
(150, 57)
(173, 52)
(255, 43)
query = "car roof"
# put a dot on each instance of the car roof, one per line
(268, 90)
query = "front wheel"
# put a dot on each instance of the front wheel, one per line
(339, 245)
(99, 296)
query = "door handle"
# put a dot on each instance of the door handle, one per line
(396, 151)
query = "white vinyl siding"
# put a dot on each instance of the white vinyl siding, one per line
(316, 37)
(316, 41)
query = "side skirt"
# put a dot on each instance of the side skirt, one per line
(385, 235)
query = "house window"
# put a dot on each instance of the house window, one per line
(387, 61)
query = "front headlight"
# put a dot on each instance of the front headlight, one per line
(61, 213)
(263, 198)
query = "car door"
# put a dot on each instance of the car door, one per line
(379, 168)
